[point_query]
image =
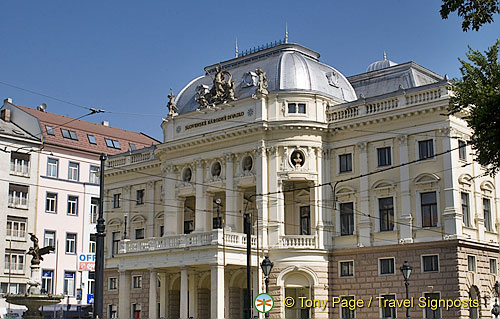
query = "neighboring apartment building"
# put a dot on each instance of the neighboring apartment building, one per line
(345, 178)
(68, 195)
(19, 153)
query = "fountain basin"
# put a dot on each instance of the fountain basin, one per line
(33, 302)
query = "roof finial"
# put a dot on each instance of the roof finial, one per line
(236, 53)
(286, 32)
(385, 56)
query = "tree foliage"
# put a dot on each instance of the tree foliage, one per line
(475, 13)
(478, 95)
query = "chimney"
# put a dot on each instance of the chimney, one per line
(7, 100)
(105, 123)
(42, 107)
(5, 114)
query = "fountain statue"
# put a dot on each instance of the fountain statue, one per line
(34, 299)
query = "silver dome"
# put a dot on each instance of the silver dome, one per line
(378, 65)
(288, 67)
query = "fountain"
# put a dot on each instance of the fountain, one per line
(34, 299)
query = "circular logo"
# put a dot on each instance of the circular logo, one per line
(263, 303)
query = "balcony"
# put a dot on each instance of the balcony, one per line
(212, 238)
(298, 242)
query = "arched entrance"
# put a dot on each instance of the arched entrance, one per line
(298, 286)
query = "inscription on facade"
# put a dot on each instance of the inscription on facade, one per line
(214, 120)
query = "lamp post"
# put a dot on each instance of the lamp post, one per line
(99, 253)
(496, 308)
(406, 270)
(266, 266)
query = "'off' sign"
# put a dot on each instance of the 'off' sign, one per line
(86, 262)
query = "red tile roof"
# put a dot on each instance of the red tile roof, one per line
(85, 128)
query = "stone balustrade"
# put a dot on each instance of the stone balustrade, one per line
(298, 241)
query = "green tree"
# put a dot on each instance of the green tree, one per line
(473, 12)
(477, 96)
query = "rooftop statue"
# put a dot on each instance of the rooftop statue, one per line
(221, 92)
(172, 107)
(262, 82)
(38, 252)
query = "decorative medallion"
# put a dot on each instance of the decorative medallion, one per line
(247, 164)
(250, 79)
(221, 92)
(187, 175)
(333, 78)
(250, 112)
(297, 159)
(216, 169)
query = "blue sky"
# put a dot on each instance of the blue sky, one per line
(123, 56)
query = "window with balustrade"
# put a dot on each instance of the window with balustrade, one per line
(19, 163)
(18, 196)
(14, 261)
(16, 228)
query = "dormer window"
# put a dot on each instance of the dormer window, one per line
(112, 143)
(297, 108)
(71, 135)
(91, 139)
(50, 130)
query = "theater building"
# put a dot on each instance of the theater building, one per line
(345, 179)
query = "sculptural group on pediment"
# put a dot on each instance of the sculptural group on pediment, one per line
(221, 92)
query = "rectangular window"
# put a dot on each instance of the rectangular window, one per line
(69, 283)
(47, 280)
(13, 289)
(51, 203)
(115, 241)
(116, 200)
(112, 143)
(345, 161)
(471, 263)
(92, 243)
(425, 149)
(430, 263)
(113, 312)
(72, 205)
(91, 283)
(462, 150)
(70, 243)
(386, 266)
(73, 171)
(52, 167)
(345, 311)
(18, 196)
(465, 209)
(113, 283)
(132, 146)
(428, 206)
(91, 139)
(65, 133)
(136, 281)
(139, 233)
(139, 197)
(14, 261)
(346, 219)
(49, 238)
(16, 228)
(69, 134)
(430, 311)
(94, 174)
(19, 163)
(305, 220)
(388, 308)
(487, 214)
(346, 268)
(94, 209)
(188, 226)
(384, 156)
(386, 211)
(302, 108)
(50, 130)
(292, 108)
(493, 266)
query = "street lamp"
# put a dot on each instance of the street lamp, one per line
(266, 266)
(496, 308)
(406, 270)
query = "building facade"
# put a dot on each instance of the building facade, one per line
(344, 179)
(19, 152)
(67, 197)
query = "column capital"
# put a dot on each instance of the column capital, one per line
(403, 139)
(229, 157)
(126, 188)
(199, 163)
(362, 146)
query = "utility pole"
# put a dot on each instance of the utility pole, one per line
(99, 251)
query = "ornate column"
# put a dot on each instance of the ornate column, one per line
(193, 294)
(405, 228)
(217, 291)
(261, 188)
(231, 199)
(150, 191)
(127, 202)
(184, 294)
(364, 225)
(163, 294)
(124, 294)
(319, 208)
(200, 224)
(452, 214)
(276, 201)
(330, 212)
(153, 277)
(170, 210)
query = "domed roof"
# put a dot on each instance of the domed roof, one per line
(382, 64)
(288, 67)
